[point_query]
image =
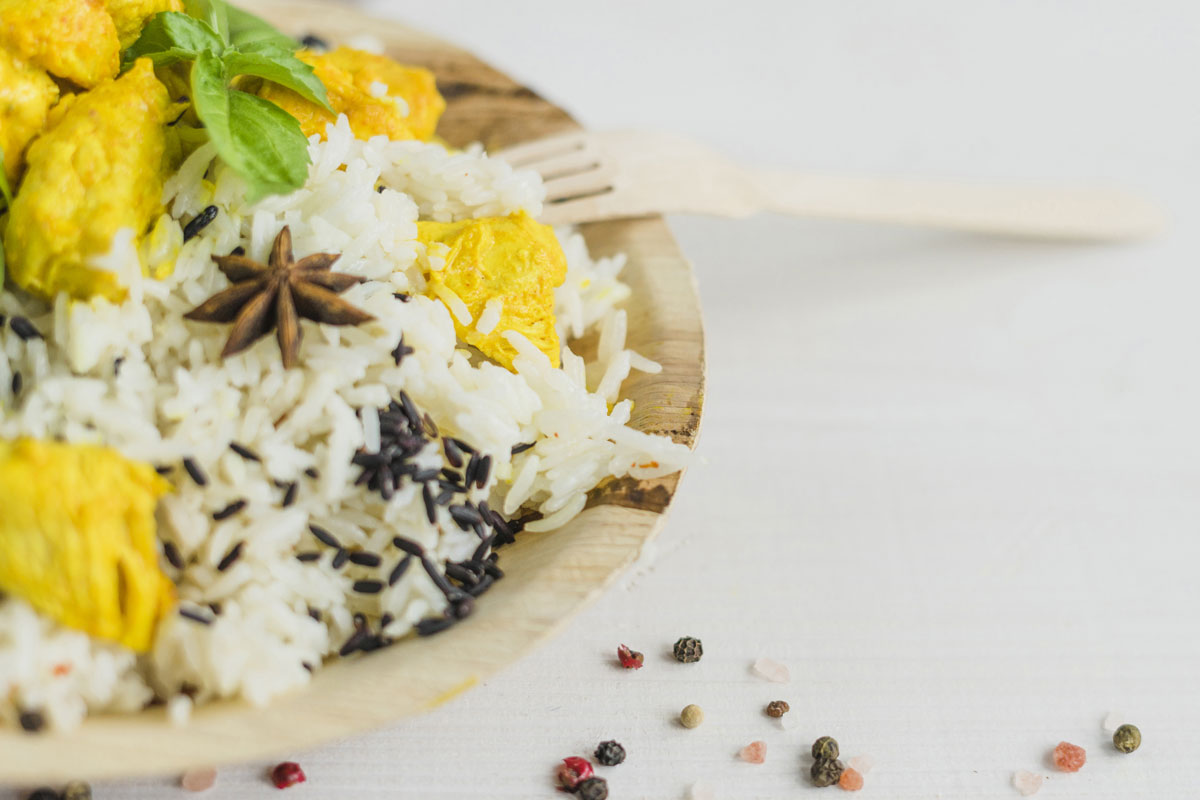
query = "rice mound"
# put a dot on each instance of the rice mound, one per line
(139, 378)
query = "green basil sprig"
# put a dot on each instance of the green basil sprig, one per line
(6, 194)
(256, 138)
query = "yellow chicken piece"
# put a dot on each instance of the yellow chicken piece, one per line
(99, 167)
(514, 259)
(72, 39)
(77, 538)
(26, 95)
(130, 16)
(348, 76)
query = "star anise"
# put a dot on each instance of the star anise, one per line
(276, 295)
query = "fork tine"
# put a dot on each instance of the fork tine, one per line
(565, 164)
(532, 152)
(580, 184)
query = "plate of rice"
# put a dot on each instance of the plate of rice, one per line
(306, 423)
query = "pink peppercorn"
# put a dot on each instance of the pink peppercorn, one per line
(630, 659)
(287, 774)
(1069, 757)
(574, 771)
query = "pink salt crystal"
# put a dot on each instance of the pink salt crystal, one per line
(1027, 783)
(771, 670)
(754, 753)
(862, 764)
(199, 779)
(701, 791)
(1069, 757)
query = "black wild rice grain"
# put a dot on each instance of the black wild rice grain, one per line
(314, 42)
(452, 475)
(194, 470)
(425, 475)
(461, 574)
(230, 557)
(368, 587)
(229, 510)
(164, 469)
(445, 497)
(491, 569)
(521, 448)
(199, 223)
(472, 470)
(244, 452)
(171, 553)
(314, 613)
(430, 508)
(194, 616)
(325, 537)
(410, 410)
(32, 721)
(465, 515)
(25, 329)
(355, 642)
(431, 427)
(483, 548)
(439, 580)
(312, 473)
(484, 584)
(432, 625)
(339, 559)
(453, 454)
(408, 546)
(463, 607)
(289, 496)
(216, 608)
(401, 351)
(365, 559)
(308, 557)
(117, 362)
(402, 296)
(466, 448)
(307, 666)
(238, 251)
(17, 383)
(483, 472)
(385, 620)
(398, 572)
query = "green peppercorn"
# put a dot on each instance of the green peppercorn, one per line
(826, 771)
(1127, 738)
(77, 790)
(688, 650)
(825, 748)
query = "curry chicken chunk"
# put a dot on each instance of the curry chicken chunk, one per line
(130, 16)
(377, 95)
(26, 95)
(77, 538)
(98, 167)
(515, 261)
(75, 40)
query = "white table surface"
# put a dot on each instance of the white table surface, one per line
(952, 482)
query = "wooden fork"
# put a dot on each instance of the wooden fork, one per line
(595, 176)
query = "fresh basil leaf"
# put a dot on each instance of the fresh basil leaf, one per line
(5, 189)
(214, 13)
(245, 30)
(276, 147)
(170, 37)
(256, 138)
(279, 66)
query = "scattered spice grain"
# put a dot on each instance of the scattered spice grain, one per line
(573, 771)
(826, 771)
(1069, 757)
(825, 747)
(630, 659)
(610, 753)
(851, 780)
(593, 789)
(77, 790)
(777, 708)
(688, 650)
(691, 716)
(1127, 738)
(199, 223)
(287, 774)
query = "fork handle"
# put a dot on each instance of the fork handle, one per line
(1049, 212)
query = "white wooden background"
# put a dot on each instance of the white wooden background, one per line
(952, 482)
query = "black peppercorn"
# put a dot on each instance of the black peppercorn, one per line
(610, 753)
(827, 771)
(825, 748)
(777, 708)
(688, 650)
(593, 789)
(32, 721)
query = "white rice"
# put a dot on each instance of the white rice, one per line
(174, 397)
